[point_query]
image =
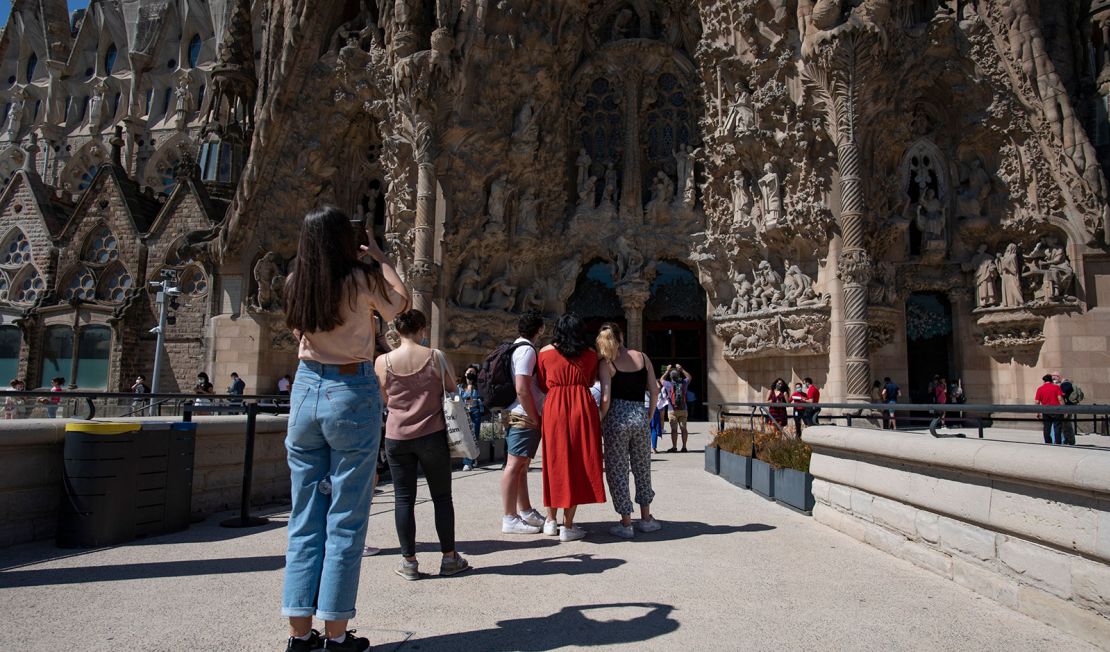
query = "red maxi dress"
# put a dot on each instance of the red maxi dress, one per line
(572, 467)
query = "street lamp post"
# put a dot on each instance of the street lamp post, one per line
(167, 289)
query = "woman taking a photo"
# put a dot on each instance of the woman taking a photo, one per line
(334, 423)
(625, 375)
(572, 474)
(413, 379)
(468, 394)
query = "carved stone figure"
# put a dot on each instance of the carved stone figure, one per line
(270, 279)
(742, 303)
(609, 194)
(766, 288)
(526, 131)
(797, 288)
(528, 210)
(468, 291)
(183, 91)
(583, 164)
(628, 262)
(662, 192)
(975, 194)
(883, 290)
(499, 193)
(587, 193)
(502, 294)
(931, 223)
(15, 114)
(742, 201)
(741, 114)
(97, 107)
(1009, 269)
(986, 278)
(684, 169)
(772, 197)
(534, 297)
(625, 25)
(1049, 261)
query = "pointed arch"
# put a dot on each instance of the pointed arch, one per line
(101, 246)
(160, 172)
(11, 160)
(115, 283)
(28, 286)
(78, 284)
(5, 286)
(15, 249)
(924, 167)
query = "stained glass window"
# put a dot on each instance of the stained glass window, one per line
(103, 247)
(87, 178)
(28, 287)
(600, 124)
(32, 64)
(110, 59)
(16, 250)
(115, 285)
(668, 122)
(193, 282)
(81, 286)
(194, 51)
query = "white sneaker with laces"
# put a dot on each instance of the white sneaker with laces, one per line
(573, 533)
(467, 467)
(370, 551)
(648, 526)
(532, 517)
(513, 525)
(622, 531)
(551, 528)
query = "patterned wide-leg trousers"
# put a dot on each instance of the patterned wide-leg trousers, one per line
(625, 435)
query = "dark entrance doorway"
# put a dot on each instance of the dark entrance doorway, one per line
(675, 331)
(929, 346)
(595, 300)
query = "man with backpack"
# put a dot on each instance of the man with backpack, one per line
(507, 380)
(1073, 395)
(676, 382)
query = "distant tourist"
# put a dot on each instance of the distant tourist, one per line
(284, 384)
(236, 388)
(13, 405)
(203, 386)
(891, 394)
(1050, 394)
(778, 395)
(472, 400)
(522, 439)
(138, 388)
(1073, 395)
(658, 417)
(798, 398)
(414, 378)
(625, 375)
(57, 386)
(572, 458)
(335, 423)
(676, 384)
(813, 398)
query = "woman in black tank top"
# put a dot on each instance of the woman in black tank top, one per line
(626, 376)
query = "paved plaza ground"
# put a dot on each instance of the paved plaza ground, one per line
(730, 571)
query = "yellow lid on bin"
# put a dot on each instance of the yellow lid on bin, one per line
(103, 428)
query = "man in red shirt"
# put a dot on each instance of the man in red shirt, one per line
(813, 397)
(1050, 394)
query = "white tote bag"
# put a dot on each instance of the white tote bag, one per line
(460, 439)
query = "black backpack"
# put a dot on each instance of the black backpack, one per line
(496, 384)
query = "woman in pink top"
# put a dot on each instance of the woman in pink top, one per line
(335, 421)
(413, 379)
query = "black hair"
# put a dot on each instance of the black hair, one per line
(570, 336)
(1047, 378)
(886, 379)
(235, 374)
(776, 382)
(321, 277)
(58, 379)
(529, 324)
(808, 380)
(410, 322)
(876, 383)
(201, 374)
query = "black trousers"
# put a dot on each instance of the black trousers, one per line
(1053, 425)
(432, 454)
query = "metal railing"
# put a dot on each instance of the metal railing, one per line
(972, 415)
(251, 405)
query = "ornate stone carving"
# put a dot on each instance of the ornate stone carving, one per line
(794, 331)
(269, 280)
(854, 267)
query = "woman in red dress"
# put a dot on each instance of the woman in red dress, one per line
(572, 468)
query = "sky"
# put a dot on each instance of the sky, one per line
(6, 8)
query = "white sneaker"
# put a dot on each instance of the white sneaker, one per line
(622, 531)
(513, 525)
(532, 517)
(573, 533)
(467, 467)
(370, 551)
(551, 528)
(649, 526)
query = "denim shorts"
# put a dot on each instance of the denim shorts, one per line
(522, 442)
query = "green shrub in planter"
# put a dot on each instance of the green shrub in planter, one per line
(735, 440)
(490, 431)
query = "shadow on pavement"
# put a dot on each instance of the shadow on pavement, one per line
(672, 531)
(580, 564)
(115, 573)
(570, 627)
(482, 547)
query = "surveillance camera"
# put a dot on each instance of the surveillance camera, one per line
(173, 292)
(156, 330)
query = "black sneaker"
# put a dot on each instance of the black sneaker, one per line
(311, 645)
(350, 644)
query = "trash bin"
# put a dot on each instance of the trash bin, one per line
(125, 480)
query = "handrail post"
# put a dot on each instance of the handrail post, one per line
(245, 519)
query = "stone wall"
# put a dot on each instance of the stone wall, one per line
(1024, 525)
(31, 486)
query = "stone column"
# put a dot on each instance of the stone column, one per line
(853, 268)
(422, 275)
(634, 296)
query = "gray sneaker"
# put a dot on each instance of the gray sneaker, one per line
(650, 525)
(410, 570)
(453, 565)
(622, 531)
(532, 517)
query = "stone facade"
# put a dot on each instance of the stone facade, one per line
(826, 188)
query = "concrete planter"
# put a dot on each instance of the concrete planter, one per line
(713, 459)
(794, 488)
(485, 451)
(736, 469)
(498, 449)
(763, 479)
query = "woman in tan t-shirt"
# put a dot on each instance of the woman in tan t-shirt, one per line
(335, 421)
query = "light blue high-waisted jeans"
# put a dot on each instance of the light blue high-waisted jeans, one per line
(335, 422)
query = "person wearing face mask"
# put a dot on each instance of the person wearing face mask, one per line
(778, 395)
(676, 382)
(798, 397)
(468, 394)
(203, 386)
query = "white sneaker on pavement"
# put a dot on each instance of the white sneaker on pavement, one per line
(467, 467)
(622, 531)
(532, 517)
(551, 528)
(370, 551)
(651, 525)
(573, 533)
(513, 525)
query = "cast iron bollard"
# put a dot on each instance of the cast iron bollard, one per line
(245, 519)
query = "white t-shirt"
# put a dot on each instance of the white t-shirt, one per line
(283, 385)
(524, 364)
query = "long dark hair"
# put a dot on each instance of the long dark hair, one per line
(321, 277)
(570, 336)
